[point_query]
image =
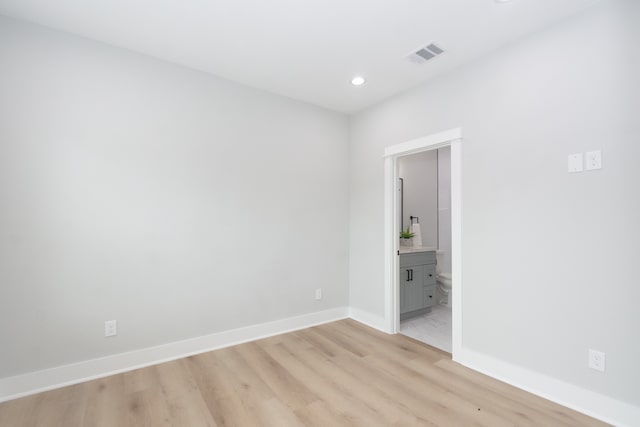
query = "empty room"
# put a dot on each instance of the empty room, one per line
(305, 213)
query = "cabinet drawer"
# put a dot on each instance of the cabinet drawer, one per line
(430, 274)
(417, 258)
(430, 296)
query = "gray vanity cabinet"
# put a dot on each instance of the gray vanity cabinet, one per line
(411, 289)
(417, 283)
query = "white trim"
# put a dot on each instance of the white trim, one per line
(391, 244)
(369, 319)
(579, 399)
(426, 142)
(48, 379)
(456, 248)
(452, 138)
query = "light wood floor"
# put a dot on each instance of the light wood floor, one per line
(338, 374)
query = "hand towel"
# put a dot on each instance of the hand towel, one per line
(417, 239)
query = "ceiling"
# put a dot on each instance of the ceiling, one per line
(306, 50)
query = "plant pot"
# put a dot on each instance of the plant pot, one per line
(406, 242)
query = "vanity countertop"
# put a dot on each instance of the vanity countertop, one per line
(415, 249)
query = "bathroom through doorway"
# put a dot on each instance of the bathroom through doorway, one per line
(424, 203)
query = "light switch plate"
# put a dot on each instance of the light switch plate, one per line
(575, 162)
(110, 328)
(593, 160)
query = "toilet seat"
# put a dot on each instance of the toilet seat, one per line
(444, 289)
(446, 276)
(443, 281)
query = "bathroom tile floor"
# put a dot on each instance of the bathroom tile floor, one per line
(432, 328)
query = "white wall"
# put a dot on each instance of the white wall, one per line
(420, 182)
(540, 246)
(178, 203)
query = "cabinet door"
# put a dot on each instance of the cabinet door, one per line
(430, 295)
(430, 274)
(414, 289)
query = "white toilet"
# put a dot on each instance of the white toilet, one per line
(443, 281)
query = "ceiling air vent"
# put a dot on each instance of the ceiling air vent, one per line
(426, 53)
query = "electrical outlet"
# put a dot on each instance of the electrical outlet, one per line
(110, 328)
(596, 360)
(593, 160)
(318, 294)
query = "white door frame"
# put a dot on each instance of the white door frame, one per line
(452, 138)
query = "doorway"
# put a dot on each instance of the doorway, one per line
(453, 139)
(424, 200)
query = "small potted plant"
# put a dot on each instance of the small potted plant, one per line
(406, 237)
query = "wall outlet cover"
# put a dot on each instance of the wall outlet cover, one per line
(597, 360)
(575, 163)
(318, 294)
(593, 160)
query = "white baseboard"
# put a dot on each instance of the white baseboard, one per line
(588, 402)
(579, 399)
(368, 319)
(48, 379)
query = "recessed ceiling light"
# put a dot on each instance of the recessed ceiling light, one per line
(502, 1)
(358, 81)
